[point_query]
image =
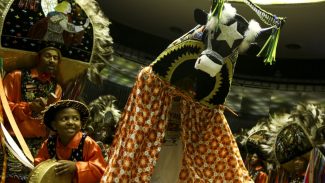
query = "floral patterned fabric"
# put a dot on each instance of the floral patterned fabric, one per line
(210, 151)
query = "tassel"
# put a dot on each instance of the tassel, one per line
(217, 9)
(269, 48)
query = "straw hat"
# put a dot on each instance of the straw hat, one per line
(51, 111)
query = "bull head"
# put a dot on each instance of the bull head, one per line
(227, 32)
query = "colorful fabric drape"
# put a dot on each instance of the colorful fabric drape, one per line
(210, 151)
(316, 168)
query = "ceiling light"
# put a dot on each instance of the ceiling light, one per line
(268, 2)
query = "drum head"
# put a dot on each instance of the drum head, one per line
(45, 173)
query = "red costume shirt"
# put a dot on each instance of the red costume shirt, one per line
(13, 86)
(90, 170)
(260, 177)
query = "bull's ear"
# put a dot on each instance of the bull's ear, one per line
(200, 17)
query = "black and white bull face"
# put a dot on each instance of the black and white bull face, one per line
(223, 36)
(201, 62)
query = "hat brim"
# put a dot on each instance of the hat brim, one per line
(51, 111)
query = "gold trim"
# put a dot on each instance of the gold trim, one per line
(4, 8)
(230, 66)
(181, 59)
(185, 57)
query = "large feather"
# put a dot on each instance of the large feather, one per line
(103, 119)
(102, 49)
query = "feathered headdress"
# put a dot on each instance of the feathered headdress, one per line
(292, 135)
(254, 139)
(104, 117)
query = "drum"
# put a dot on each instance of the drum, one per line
(45, 173)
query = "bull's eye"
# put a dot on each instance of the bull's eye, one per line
(199, 60)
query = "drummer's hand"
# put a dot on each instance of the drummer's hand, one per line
(51, 98)
(65, 166)
(38, 105)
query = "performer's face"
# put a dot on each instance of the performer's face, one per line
(254, 159)
(67, 123)
(299, 165)
(49, 60)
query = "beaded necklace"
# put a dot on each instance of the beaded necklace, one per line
(33, 88)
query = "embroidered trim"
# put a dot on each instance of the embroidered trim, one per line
(76, 154)
(33, 88)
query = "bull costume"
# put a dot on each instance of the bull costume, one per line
(210, 152)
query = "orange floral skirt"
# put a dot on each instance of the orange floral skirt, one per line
(210, 153)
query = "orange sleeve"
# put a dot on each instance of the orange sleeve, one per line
(42, 154)
(11, 81)
(12, 87)
(92, 168)
(262, 178)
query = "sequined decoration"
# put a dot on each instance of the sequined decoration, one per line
(48, 6)
(19, 20)
(29, 4)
